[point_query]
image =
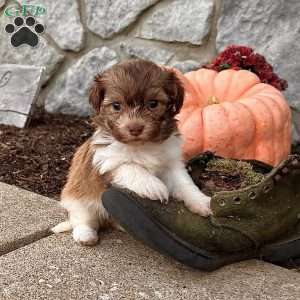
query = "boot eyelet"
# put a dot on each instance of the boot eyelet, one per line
(222, 202)
(237, 200)
(252, 195)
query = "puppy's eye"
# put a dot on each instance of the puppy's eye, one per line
(152, 104)
(116, 106)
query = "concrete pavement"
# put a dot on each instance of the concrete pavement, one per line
(37, 266)
(25, 217)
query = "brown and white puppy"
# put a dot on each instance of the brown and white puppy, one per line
(136, 146)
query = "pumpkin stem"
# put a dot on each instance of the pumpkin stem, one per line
(213, 100)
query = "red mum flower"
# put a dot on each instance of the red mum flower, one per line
(242, 57)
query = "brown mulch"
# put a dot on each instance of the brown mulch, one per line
(38, 158)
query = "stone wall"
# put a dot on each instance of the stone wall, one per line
(84, 37)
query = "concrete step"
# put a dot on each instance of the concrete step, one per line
(37, 265)
(122, 268)
(25, 217)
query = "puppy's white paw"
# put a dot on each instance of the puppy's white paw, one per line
(85, 235)
(62, 227)
(200, 206)
(152, 188)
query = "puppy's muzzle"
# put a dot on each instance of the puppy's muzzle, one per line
(135, 129)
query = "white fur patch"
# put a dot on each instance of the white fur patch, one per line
(137, 167)
(85, 217)
(136, 178)
(62, 227)
(200, 205)
(182, 187)
(85, 235)
(85, 211)
(154, 157)
(152, 170)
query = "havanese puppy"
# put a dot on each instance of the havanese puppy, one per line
(136, 146)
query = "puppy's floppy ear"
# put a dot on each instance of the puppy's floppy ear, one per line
(175, 91)
(97, 93)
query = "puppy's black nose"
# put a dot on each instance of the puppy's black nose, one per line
(135, 129)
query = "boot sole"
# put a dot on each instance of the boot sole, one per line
(141, 225)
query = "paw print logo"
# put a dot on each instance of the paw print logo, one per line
(24, 31)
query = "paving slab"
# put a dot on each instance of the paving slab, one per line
(19, 89)
(122, 268)
(25, 217)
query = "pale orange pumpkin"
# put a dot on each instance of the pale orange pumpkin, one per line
(234, 115)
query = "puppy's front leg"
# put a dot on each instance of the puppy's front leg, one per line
(84, 217)
(139, 180)
(182, 187)
(81, 197)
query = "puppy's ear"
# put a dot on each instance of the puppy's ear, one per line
(175, 91)
(97, 93)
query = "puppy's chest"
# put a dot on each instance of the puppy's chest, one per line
(153, 157)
